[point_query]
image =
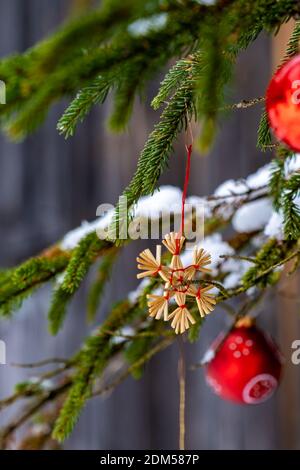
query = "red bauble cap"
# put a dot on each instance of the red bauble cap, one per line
(283, 103)
(246, 366)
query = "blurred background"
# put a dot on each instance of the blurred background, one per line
(49, 186)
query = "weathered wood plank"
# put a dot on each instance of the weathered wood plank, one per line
(48, 186)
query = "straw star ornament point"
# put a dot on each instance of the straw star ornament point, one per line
(180, 283)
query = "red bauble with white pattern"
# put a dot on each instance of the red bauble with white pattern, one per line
(246, 367)
(283, 103)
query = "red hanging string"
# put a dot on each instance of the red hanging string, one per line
(189, 149)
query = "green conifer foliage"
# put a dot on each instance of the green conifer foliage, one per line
(115, 50)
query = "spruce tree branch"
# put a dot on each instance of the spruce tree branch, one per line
(56, 259)
(245, 104)
(239, 257)
(149, 353)
(30, 411)
(241, 289)
(246, 196)
(160, 346)
(142, 334)
(43, 397)
(31, 389)
(45, 362)
(277, 265)
(36, 84)
(56, 393)
(249, 305)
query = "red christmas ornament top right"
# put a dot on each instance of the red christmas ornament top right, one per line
(283, 103)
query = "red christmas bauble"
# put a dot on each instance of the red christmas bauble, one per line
(283, 103)
(246, 365)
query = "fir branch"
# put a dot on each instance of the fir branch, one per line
(239, 257)
(244, 104)
(31, 410)
(194, 331)
(213, 71)
(92, 361)
(25, 72)
(60, 259)
(139, 346)
(83, 256)
(58, 309)
(136, 349)
(36, 84)
(97, 288)
(124, 97)
(81, 260)
(132, 80)
(24, 279)
(174, 78)
(266, 260)
(87, 31)
(81, 390)
(127, 80)
(155, 155)
(277, 182)
(137, 365)
(272, 13)
(293, 44)
(56, 394)
(264, 138)
(291, 211)
(87, 65)
(44, 362)
(82, 104)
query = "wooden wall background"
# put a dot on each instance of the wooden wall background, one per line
(49, 186)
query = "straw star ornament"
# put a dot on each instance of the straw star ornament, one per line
(180, 283)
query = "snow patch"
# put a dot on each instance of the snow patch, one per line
(215, 245)
(135, 294)
(72, 239)
(126, 331)
(235, 269)
(252, 216)
(145, 25)
(274, 228)
(231, 188)
(292, 164)
(163, 201)
(208, 356)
